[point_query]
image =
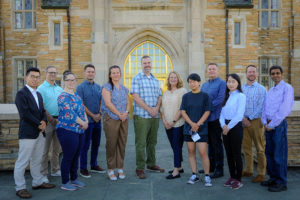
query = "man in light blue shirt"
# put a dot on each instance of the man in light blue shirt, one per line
(50, 91)
(215, 87)
(90, 92)
(146, 95)
(253, 128)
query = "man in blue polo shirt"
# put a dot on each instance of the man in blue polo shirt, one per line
(215, 87)
(50, 91)
(90, 92)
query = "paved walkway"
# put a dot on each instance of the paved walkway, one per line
(155, 187)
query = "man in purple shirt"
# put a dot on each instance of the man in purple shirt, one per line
(278, 105)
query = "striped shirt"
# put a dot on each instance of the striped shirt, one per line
(148, 90)
(255, 96)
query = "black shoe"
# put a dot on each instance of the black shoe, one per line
(170, 176)
(180, 171)
(217, 175)
(277, 188)
(268, 183)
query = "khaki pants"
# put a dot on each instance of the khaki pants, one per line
(55, 150)
(116, 133)
(255, 134)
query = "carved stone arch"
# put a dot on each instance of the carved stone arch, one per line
(156, 35)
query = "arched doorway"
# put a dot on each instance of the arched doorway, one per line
(161, 63)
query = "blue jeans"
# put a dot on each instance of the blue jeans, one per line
(71, 144)
(92, 133)
(277, 153)
(175, 136)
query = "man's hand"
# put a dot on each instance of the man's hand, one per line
(225, 130)
(96, 117)
(123, 116)
(246, 122)
(153, 111)
(267, 128)
(42, 126)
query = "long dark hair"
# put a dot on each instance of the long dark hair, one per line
(239, 87)
(109, 73)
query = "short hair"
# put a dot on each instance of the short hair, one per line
(89, 65)
(251, 66)
(213, 64)
(144, 57)
(49, 67)
(66, 73)
(194, 77)
(180, 82)
(276, 67)
(32, 69)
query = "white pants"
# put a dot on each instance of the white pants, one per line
(29, 150)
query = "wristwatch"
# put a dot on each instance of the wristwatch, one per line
(174, 121)
(127, 111)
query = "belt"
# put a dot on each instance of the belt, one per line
(55, 117)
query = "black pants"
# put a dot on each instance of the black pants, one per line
(215, 146)
(233, 146)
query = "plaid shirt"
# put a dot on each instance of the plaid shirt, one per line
(149, 91)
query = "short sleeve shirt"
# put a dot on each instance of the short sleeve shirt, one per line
(118, 99)
(195, 105)
(149, 91)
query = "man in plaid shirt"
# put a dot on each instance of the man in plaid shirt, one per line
(146, 94)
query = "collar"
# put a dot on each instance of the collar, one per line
(143, 74)
(31, 89)
(253, 84)
(234, 92)
(280, 84)
(213, 80)
(46, 83)
(88, 83)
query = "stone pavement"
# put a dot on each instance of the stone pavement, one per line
(155, 187)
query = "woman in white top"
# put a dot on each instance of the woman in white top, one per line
(231, 122)
(173, 121)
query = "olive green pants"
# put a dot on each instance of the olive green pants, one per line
(145, 138)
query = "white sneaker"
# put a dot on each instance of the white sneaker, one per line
(120, 171)
(58, 173)
(193, 179)
(207, 181)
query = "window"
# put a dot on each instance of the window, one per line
(24, 14)
(268, 13)
(21, 67)
(55, 38)
(237, 33)
(161, 63)
(265, 63)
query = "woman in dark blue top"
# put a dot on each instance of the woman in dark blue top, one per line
(195, 109)
(72, 121)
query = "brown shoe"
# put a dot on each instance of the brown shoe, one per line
(24, 194)
(44, 186)
(155, 168)
(247, 174)
(140, 173)
(258, 179)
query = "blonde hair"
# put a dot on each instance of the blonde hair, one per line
(180, 82)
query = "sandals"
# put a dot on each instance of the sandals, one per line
(121, 174)
(24, 194)
(111, 175)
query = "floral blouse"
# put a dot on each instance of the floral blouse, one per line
(70, 107)
(118, 99)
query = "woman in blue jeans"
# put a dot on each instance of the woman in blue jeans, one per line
(173, 121)
(72, 121)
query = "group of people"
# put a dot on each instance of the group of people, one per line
(68, 120)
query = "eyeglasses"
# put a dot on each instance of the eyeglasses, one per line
(52, 73)
(71, 80)
(275, 73)
(34, 77)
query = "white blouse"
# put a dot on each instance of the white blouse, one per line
(234, 109)
(171, 102)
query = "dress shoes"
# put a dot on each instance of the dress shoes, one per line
(170, 176)
(247, 174)
(180, 171)
(277, 188)
(43, 186)
(268, 183)
(24, 194)
(258, 179)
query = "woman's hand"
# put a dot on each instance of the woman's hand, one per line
(194, 126)
(84, 125)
